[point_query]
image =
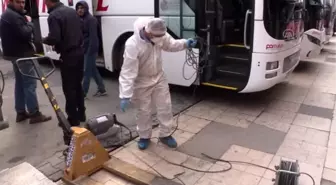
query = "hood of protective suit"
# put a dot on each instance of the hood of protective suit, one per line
(139, 24)
(85, 5)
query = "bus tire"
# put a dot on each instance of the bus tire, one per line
(121, 56)
(118, 51)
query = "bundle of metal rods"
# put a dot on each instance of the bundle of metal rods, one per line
(288, 173)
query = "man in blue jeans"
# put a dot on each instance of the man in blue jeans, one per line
(16, 31)
(91, 46)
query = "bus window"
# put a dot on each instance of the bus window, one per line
(180, 21)
(283, 19)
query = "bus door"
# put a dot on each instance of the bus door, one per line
(221, 25)
(227, 27)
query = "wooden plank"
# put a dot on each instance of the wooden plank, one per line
(128, 171)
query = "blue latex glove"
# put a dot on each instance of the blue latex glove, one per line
(124, 104)
(191, 43)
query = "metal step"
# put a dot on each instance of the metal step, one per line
(233, 70)
(234, 58)
(227, 83)
(234, 48)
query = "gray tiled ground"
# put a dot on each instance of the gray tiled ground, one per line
(216, 138)
(161, 181)
(24, 174)
(326, 182)
(316, 111)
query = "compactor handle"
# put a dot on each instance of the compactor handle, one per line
(36, 66)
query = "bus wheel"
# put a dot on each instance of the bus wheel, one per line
(118, 51)
(121, 57)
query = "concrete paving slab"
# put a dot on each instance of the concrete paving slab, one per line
(261, 138)
(312, 122)
(216, 138)
(276, 119)
(330, 47)
(316, 111)
(329, 175)
(24, 174)
(320, 99)
(327, 182)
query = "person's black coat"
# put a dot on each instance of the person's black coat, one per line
(90, 30)
(65, 32)
(16, 34)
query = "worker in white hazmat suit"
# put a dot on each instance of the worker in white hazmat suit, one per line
(142, 80)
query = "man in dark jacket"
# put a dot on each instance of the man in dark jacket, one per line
(91, 46)
(17, 42)
(65, 35)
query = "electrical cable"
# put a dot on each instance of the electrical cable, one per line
(194, 60)
(229, 162)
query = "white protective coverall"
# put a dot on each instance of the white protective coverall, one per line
(143, 80)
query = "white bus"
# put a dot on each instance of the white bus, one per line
(314, 35)
(250, 45)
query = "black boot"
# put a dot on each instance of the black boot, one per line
(21, 116)
(81, 114)
(38, 117)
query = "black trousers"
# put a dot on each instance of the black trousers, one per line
(72, 71)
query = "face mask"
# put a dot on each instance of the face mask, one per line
(156, 39)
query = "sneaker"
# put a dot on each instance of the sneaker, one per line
(38, 117)
(100, 93)
(169, 141)
(143, 143)
(21, 116)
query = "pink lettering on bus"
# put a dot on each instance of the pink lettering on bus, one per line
(44, 6)
(100, 6)
(4, 5)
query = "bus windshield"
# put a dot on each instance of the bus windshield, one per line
(283, 19)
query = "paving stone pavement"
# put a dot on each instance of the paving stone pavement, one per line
(296, 120)
(24, 174)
